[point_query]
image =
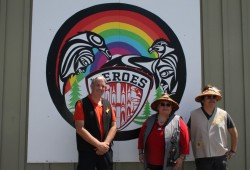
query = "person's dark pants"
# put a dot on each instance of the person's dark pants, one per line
(154, 167)
(212, 163)
(91, 161)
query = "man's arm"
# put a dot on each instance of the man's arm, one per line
(111, 133)
(234, 138)
(101, 146)
(109, 138)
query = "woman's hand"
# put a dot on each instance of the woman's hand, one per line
(141, 157)
(179, 163)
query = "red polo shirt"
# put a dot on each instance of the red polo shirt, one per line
(79, 115)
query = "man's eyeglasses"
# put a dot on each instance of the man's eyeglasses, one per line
(211, 97)
(165, 104)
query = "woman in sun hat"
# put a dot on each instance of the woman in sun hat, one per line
(208, 127)
(163, 140)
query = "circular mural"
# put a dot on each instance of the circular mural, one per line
(134, 49)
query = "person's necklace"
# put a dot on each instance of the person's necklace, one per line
(160, 124)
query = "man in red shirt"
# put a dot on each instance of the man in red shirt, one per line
(95, 123)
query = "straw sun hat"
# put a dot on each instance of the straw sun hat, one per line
(210, 90)
(164, 97)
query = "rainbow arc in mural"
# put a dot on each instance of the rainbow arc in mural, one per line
(125, 33)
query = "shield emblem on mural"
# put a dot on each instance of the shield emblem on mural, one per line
(127, 90)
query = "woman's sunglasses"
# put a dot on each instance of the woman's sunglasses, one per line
(165, 104)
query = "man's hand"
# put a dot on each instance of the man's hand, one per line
(102, 148)
(230, 154)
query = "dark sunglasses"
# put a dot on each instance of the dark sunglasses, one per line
(211, 97)
(165, 104)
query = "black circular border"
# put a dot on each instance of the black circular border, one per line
(58, 98)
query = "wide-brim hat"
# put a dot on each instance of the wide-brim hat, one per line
(164, 97)
(210, 91)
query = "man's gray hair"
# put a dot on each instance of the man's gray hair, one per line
(98, 77)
